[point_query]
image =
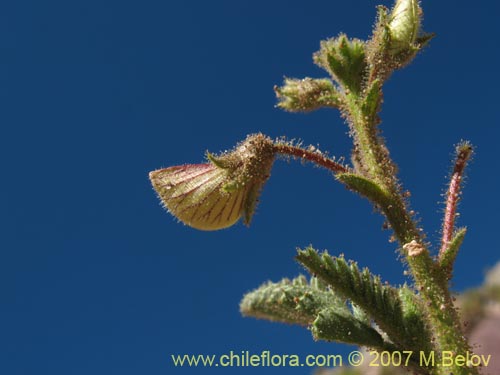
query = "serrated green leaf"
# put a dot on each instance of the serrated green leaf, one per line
(291, 301)
(381, 302)
(360, 314)
(331, 325)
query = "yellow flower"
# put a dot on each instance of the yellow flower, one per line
(215, 195)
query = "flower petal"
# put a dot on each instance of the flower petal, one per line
(194, 194)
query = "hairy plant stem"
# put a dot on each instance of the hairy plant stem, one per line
(429, 279)
(452, 197)
(312, 156)
(367, 147)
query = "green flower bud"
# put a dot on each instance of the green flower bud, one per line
(304, 95)
(404, 26)
(215, 195)
(344, 59)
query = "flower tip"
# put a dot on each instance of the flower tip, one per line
(152, 175)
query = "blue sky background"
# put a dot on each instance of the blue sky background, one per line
(95, 278)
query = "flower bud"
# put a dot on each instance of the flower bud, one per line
(215, 195)
(304, 95)
(345, 60)
(404, 25)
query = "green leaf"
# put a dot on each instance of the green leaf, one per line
(291, 301)
(423, 40)
(448, 257)
(332, 325)
(364, 186)
(380, 39)
(360, 314)
(416, 331)
(380, 301)
(371, 101)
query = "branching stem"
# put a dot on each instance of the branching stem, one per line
(429, 278)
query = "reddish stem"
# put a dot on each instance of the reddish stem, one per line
(311, 156)
(464, 151)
